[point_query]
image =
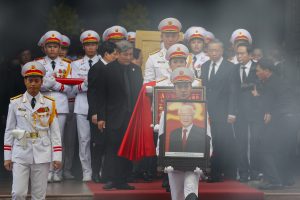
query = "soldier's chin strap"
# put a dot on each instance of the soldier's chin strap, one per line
(191, 196)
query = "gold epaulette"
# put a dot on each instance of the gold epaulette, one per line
(162, 79)
(40, 58)
(154, 52)
(50, 98)
(16, 97)
(67, 60)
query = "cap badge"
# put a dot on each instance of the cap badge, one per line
(32, 67)
(117, 30)
(170, 23)
(53, 35)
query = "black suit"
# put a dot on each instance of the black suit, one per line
(250, 117)
(279, 140)
(115, 107)
(97, 138)
(221, 102)
(196, 137)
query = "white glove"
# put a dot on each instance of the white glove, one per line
(198, 171)
(156, 128)
(168, 169)
(49, 82)
(149, 89)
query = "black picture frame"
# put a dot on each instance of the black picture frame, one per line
(185, 161)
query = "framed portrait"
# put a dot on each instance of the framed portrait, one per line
(161, 93)
(185, 143)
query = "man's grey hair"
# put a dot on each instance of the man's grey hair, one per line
(123, 45)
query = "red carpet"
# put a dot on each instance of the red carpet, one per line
(228, 190)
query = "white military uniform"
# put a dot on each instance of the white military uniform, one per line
(55, 89)
(196, 61)
(80, 69)
(157, 66)
(33, 150)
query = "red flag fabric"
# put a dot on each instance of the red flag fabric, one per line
(138, 141)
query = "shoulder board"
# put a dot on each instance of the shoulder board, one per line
(67, 60)
(50, 98)
(154, 52)
(198, 79)
(16, 97)
(162, 79)
(40, 58)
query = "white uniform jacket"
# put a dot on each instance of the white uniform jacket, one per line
(80, 69)
(58, 91)
(157, 67)
(42, 120)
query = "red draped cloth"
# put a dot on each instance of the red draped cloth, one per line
(138, 141)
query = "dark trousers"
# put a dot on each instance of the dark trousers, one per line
(280, 144)
(97, 149)
(249, 165)
(116, 168)
(223, 159)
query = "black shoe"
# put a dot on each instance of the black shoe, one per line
(124, 186)
(168, 189)
(146, 177)
(109, 185)
(270, 186)
(96, 178)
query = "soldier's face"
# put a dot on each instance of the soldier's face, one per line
(126, 57)
(33, 84)
(169, 39)
(242, 55)
(186, 115)
(177, 62)
(183, 90)
(63, 52)
(196, 45)
(215, 51)
(90, 49)
(52, 50)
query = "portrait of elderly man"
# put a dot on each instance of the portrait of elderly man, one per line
(188, 137)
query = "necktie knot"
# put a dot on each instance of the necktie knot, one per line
(33, 100)
(90, 62)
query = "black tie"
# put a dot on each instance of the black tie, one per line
(33, 102)
(53, 64)
(244, 75)
(213, 72)
(195, 71)
(90, 63)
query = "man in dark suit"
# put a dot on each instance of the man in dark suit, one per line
(187, 138)
(282, 115)
(108, 53)
(249, 121)
(217, 77)
(114, 110)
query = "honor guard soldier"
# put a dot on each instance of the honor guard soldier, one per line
(55, 68)
(183, 184)
(114, 34)
(157, 67)
(32, 136)
(80, 68)
(239, 36)
(64, 47)
(194, 38)
(131, 37)
(176, 56)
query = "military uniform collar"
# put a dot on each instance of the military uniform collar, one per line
(28, 97)
(95, 59)
(56, 60)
